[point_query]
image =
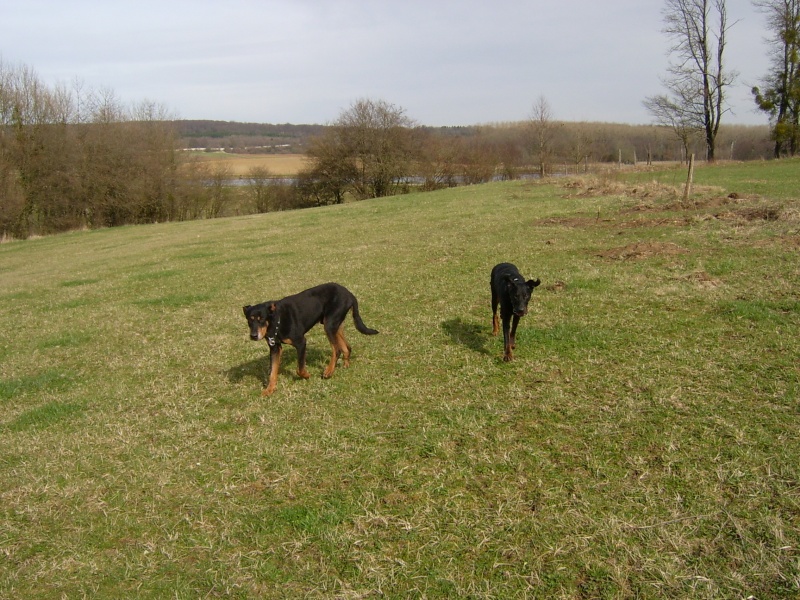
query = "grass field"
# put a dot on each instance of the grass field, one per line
(643, 444)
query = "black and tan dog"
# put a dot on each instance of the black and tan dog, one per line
(287, 321)
(512, 293)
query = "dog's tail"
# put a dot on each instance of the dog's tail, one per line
(362, 328)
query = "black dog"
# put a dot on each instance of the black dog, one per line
(512, 293)
(287, 321)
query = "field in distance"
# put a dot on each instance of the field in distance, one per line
(241, 164)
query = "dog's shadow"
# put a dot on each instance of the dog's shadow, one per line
(259, 368)
(467, 334)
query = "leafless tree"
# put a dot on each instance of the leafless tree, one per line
(258, 188)
(676, 117)
(697, 80)
(579, 145)
(366, 151)
(779, 94)
(71, 158)
(542, 134)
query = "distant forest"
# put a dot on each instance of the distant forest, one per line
(600, 142)
(254, 138)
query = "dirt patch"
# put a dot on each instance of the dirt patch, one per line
(749, 214)
(581, 222)
(640, 250)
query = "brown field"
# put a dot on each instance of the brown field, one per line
(241, 164)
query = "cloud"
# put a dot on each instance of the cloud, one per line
(446, 63)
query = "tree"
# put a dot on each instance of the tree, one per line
(72, 159)
(696, 82)
(258, 188)
(580, 142)
(779, 95)
(332, 169)
(367, 151)
(669, 113)
(542, 130)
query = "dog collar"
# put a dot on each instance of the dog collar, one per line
(272, 340)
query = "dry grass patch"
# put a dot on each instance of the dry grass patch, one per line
(639, 250)
(239, 165)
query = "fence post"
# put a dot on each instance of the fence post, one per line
(688, 189)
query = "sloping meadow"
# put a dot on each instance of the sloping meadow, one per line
(643, 443)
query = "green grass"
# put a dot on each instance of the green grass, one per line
(644, 443)
(777, 180)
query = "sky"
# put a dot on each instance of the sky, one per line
(444, 62)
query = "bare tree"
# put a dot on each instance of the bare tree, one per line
(436, 161)
(697, 80)
(367, 151)
(669, 113)
(580, 142)
(332, 169)
(72, 159)
(542, 134)
(779, 95)
(258, 188)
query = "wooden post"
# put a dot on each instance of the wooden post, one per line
(688, 190)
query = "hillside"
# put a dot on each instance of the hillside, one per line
(643, 443)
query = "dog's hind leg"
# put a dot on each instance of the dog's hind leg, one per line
(328, 372)
(344, 347)
(339, 346)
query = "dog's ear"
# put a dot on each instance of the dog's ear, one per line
(245, 309)
(272, 307)
(532, 284)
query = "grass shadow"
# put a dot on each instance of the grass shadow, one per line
(470, 335)
(258, 368)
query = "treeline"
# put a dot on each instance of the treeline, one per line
(255, 138)
(573, 143)
(374, 149)
(600, 142)
(73, 158)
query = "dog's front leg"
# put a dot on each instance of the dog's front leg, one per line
(514, 323)
(507, 345)
(495, 320)
(274, 367)
(301, 358)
